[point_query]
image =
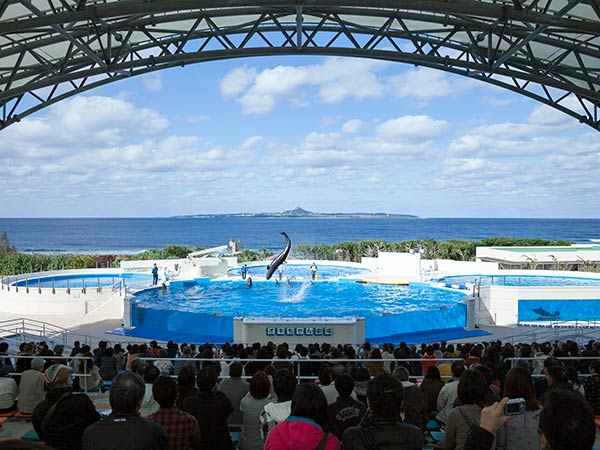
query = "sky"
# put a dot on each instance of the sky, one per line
(323, 133)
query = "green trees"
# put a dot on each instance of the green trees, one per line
(5, 247)
(429, 248)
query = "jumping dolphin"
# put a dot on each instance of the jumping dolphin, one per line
(279, 259)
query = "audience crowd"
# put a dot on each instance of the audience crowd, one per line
(315, 397)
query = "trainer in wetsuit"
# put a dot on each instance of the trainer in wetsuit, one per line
(155, 275)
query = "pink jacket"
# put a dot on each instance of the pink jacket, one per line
(298, 433)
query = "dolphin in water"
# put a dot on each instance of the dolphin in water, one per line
(279, 259)
(543, 314)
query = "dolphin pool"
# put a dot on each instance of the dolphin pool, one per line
(302, 271)
(208, 307)
(520, 280)
(90, 280)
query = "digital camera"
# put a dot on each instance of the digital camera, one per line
(514, 406)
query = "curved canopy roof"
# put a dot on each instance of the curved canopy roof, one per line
(548, 50)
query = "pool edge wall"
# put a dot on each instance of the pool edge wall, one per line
(168, 324)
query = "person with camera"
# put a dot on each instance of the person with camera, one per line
(521, 433)
(565, 423)
(471, 391)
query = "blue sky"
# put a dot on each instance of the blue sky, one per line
(326, 134)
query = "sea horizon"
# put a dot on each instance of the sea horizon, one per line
(133, 235)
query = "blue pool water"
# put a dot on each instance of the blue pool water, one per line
(208, 308)
(521, 280)
(303, 271)
(76, 281)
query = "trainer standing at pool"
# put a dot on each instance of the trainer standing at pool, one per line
(313, 270)
(244, 271)
(155, 275)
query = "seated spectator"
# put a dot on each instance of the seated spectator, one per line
(186, 353)
(345, 412)
(108, 365)
(31, 387)
(164, 365)
(281, 359)
(76, 350)
(303, 429)
(431, 386)
(383, 427)
(235, 389)
(558, 379)
(566, 423)
(448, 394)
(415, 405)
(90, 380)
(471, 393)
(119, 355)
(284, 384)
(375, 367)
(492, 394)
(186, 385)
(592, 387)
(149, 404)
(361, 380)
(211, 408)
(181, 428)
(251, 406)
(124, 428)
(6, 365)
(63, 416)
(427, 359)
(23, 364)
(138, 366)
(520, 433)
(8, 393)
(133, 353)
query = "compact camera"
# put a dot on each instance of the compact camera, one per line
(514, 406)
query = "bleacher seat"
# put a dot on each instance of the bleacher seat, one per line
(235, 437)
(20, 415)
(8, 414)
(433, 425)
(31, 435)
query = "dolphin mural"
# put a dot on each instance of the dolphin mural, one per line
(280, 258)
(546, 315)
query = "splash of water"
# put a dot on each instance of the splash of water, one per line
(297, 297)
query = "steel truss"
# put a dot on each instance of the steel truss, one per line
(548, 50)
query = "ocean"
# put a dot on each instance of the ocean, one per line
(132, 235)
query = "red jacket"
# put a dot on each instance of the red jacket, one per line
(299, 433)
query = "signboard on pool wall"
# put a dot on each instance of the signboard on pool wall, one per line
(302, 330)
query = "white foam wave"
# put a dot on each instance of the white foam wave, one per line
(298, 297)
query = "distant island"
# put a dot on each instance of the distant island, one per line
(299, 212)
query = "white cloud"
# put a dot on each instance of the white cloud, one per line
(153, 82)
(424, 84)
(237, 81)
(412, 128)
(352, 126)
(335, 80)
(195, 118)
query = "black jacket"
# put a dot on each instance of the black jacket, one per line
(344, 413)
(73, 414)
(383, 434)
(211, 410)
(125, 432)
